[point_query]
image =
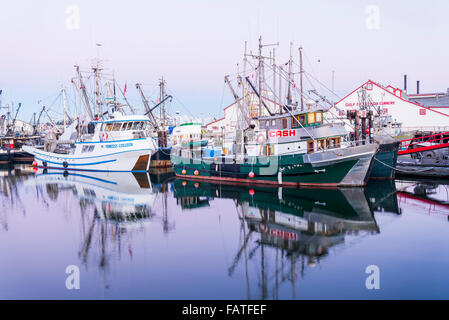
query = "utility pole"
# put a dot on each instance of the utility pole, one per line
(301, 72)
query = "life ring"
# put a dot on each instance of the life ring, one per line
(105, 136)
(260, 138)
(263, 227)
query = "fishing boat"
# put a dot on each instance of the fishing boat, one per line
(290, 149)
(122, 143)
(287, 144)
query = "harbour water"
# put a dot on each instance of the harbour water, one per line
(152, 236)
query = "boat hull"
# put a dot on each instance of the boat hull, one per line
(385, 161)
(346, 167)
(131, 160)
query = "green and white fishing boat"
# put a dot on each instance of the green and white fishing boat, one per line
(289, 149)
(285, 145)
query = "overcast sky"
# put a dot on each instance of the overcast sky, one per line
(193, 44)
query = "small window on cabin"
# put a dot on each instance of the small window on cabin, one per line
(124, 126)
(310, 146)
(117, 126)
(319, 117)
(321, 144)
(85, 148)
(129, 125)
(91, 148)
(109, 126)
(311, 118)
(135, 124)
(267, 123)
(284, 123)
(273, 123)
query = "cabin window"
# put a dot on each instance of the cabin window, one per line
(321, 145)
(129, 125)
(336, 142)
(301, 118)
(319, 117)
(310, 146)
(124, 126)
(91, 148)
(85, 148)
(109, 126)
(311, 118)
(273, 123)
(267, 123)
(117, 126)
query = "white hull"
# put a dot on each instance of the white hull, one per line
(117, 159)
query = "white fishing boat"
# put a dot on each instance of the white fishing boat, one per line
(121, 143)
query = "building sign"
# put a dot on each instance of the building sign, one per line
(376, 103)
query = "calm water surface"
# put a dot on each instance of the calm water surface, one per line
(141, 236)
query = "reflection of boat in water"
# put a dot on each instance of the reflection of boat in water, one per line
(292, 211)
(285, 231)
(118, 196)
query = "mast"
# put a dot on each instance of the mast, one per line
(301, 71)
(161, 98)
(97, 90)
(290, 77)
(274, 75)
(260, 74)
(82, 87)
(147, 106)
(64, 106)
(280, 89)
(245, 59)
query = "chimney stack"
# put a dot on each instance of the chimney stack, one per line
(405, 83)
(417, 87)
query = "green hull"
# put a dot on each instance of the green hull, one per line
(265, 169)
(385, 161)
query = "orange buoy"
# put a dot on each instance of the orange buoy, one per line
(34, 163)
(251, 192)
(184, 183)
(196, 184)
(184, 171)
(196, 172)
(251, 174)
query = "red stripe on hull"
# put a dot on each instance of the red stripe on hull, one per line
(258, 182)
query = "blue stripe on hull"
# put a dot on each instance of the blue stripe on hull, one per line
(77, 164)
